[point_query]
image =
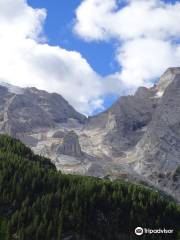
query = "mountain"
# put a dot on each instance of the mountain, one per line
(39, 202)
(137, 139)
(27, 110)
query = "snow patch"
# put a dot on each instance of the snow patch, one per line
(12, 88)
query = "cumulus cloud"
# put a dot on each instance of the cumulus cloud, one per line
(18, 20)
(145, 59)
(146, 31)
(26, 60)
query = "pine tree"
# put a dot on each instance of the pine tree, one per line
(4, 230)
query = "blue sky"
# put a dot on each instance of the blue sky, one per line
(93, 51)
(59, 30)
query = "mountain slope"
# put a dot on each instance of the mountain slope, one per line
(29, 109)
(137, 139)
(37, 202)
(143, 131)
(158, 152)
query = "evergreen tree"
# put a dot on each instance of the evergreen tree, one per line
(38, 202)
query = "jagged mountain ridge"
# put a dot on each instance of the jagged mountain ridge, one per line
(137, 139)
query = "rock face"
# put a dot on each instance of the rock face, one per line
(70, 145)
(158, 152)
(137, 139)
(31, 109)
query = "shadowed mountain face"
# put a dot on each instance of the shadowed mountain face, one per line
(137, 139)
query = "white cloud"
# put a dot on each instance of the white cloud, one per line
(18, 20)
(144, 29)
(99, 20)
(26, 61)
(144, 59)
(91, 18)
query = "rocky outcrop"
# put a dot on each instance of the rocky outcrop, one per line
(59, 134)
(70, 145)
(165, 80)
(127, 119)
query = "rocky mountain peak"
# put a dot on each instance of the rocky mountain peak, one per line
(166, 79)
(30, 109)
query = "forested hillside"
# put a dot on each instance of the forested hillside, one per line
(37, 202)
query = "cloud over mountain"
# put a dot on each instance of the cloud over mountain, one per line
(27, 60)
(146, 31)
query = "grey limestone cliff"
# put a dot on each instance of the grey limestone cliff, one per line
(137, 139)
(70, 145)
(31, 109)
